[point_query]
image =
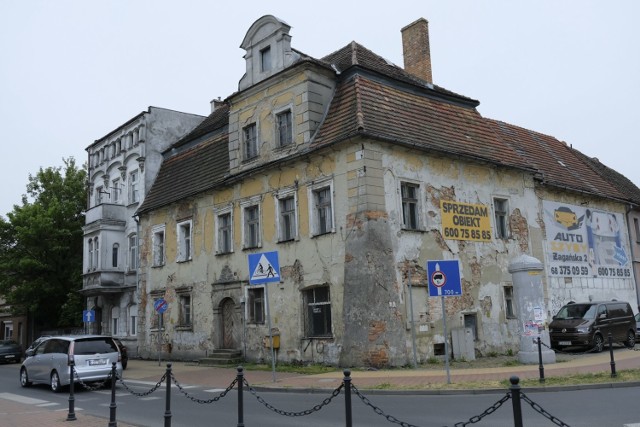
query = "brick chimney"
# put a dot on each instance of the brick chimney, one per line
(415, 49)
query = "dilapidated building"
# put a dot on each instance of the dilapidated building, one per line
(357, 172)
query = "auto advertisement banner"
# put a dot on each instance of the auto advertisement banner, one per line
(585, 242)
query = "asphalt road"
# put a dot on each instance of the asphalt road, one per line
(609, 407)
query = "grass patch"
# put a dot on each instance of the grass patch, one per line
(296, 368)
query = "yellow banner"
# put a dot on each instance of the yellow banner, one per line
(465, 221)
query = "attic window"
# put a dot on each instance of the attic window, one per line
(562, 164)
(265, 59)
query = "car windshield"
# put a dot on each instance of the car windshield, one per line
(94, 346)
(577, 311)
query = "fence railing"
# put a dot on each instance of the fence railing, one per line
(346, 388)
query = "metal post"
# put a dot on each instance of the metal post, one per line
(71, 416)
(515, 399)
(347, 397)
(541, 366)
(413, 323)
(613, 362)
(240, 381)
(167, 412)
(446, 340)
(112, 406)
(160, 325)
(273, 354)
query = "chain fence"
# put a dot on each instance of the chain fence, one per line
(346, 388)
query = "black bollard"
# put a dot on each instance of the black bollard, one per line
(347, 396)
(240, 381)
(71, 416)
(167, 412)
(541, 366)
(613, 362)
(112, 406)
(515, 400)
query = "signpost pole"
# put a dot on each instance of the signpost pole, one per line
(413, 323)
(446, 341)
(273, 358)
(159, 336)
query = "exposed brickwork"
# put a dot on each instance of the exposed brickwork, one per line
(520, 230)
(416, 51)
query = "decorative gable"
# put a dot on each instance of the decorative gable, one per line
(268, 46)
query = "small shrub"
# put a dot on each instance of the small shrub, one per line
(510, 352)
(433, 360)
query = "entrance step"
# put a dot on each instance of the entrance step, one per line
(222, 357)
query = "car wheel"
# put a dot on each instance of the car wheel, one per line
(55, 382)
(598, 343)
(631, 340)
(24, 378)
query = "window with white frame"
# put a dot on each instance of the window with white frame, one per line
(99, 192)
(255, 304)
(321, 209)
(90, 254)
(133, 252)
(184, 241)
(284, 132)
(317, 303)
(115, 191)
(636, 226)
(134, 195)
(184, 313)
(410, 194)
(96, 253)
(133, 319)
(158, 246)
(250, 134)
(115, 317)
(224, 236)
(287, 217)
(115, 253)
(251, 229)
(509, 306)
(500, 208)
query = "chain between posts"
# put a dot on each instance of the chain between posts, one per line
(146, 393)
(542, 412)
(272, 408)
(203, 401)
(96, 386)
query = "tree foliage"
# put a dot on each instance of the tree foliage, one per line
(41, 248)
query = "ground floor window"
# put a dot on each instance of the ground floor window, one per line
(317, 304)
(255, 305)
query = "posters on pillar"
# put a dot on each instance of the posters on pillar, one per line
(585, 242)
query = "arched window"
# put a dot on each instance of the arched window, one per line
(96, 251)
(90, 257)
(114, 255)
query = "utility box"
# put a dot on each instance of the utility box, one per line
(276, 341)
(462, 343)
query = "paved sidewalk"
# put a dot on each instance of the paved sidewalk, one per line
(20, 414)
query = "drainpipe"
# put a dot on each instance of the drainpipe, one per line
(633, 254)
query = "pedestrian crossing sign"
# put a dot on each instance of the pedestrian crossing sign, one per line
(264, 268)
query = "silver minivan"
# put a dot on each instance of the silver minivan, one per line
(48, 363)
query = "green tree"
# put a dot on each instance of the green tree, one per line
(41, 248)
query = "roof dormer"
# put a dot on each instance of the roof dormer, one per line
(268, 46)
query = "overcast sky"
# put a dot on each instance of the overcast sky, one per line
(71, 71)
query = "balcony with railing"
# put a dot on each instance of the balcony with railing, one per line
(107, 211)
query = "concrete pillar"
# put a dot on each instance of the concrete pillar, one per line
(529, 300)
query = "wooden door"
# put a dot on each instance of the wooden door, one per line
(229, 324)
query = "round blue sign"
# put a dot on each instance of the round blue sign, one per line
(160, 305)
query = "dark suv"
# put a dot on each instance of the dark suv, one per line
(588, 324)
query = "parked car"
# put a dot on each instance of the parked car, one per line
(37, 341)
(123, 353)
(637, 326)
(10, 351)
(588, 325)
(92, 355)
